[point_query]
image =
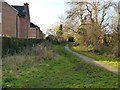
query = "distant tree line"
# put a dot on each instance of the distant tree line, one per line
(93, 23)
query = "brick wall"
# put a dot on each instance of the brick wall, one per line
(41, 35)
(38, 34)
(32, 33)
(24, 24)
(15, 25)
(22, 27)
(8, 20)
(35, 33)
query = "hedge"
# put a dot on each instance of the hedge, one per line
(15, 45)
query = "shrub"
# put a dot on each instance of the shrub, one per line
(52, 39)
(30, 57)
(71, 39)
(15, 45)
(76, 44)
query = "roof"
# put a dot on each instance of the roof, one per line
(20, 10)
(32, 25)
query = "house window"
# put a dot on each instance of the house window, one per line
(0, 17)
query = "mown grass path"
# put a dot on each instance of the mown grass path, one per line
(65, 70)
(93, 62)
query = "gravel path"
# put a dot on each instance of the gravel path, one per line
(93, 62)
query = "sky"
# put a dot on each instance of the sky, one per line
(44, 13)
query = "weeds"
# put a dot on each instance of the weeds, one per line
(50, 66)
(29, 57)
(96, 55)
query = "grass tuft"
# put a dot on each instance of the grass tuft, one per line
(60, 70)
(102, 58)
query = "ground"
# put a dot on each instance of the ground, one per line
(65, 70)
(93, 61)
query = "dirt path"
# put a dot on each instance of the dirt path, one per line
(93, 62)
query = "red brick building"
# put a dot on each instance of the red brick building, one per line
(22, 21)
(8, 22)
(34, 31)
(16, 21)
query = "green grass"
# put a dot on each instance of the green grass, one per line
(104, 59)
(63, 71)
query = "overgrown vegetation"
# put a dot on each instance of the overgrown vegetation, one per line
(50, 66)
(92, 24)
(87, 51)
(36, 64)
(15, 45)
(28, 58)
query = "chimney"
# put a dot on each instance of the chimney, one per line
(26, 4)
(26, 8)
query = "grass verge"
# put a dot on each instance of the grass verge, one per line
(64, 70)
(104, 59)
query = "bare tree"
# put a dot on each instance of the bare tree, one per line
(92, 17)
